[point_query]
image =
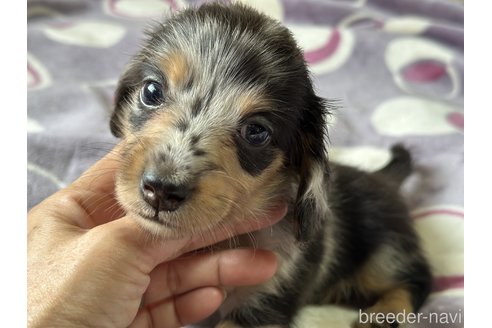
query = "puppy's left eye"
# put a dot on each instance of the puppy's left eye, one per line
(255, 134)
(152, 94)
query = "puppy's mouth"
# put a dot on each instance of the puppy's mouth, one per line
(159, 219)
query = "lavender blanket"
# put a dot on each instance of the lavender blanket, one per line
(395, 67)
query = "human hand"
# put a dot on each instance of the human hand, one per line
(90, 265)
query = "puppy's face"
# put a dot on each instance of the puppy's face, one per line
(218, 116)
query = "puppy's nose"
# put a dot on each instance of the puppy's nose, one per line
(161, 195)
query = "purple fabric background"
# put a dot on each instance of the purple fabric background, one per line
(394, 67)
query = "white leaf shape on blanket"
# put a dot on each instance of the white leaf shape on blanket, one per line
(95, 34)
(33, 126)
(45, 174)
(324, 316)
(326, 49)
(363, 157)
(415, 59)
(441, 229)
(38, 76)
(272, 8)
(141, 8)
(408, 115)
(402, 51)
(406, 25)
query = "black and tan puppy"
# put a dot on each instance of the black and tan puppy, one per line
(221, 121)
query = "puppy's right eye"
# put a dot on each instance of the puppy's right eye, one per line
(255, 134)
(152, 94)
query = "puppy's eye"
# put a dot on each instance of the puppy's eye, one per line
(255, 134)
(152, 94)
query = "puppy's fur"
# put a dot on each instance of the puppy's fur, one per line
(220, 121)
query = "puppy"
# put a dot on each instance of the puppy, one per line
(220, 121)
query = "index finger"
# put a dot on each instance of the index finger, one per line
(100, 177)
(239, 267)
(94, 190)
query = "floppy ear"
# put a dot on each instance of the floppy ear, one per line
(127, 85)
(311, 203)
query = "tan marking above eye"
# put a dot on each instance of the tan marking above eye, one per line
(253, 101)
(176, 68)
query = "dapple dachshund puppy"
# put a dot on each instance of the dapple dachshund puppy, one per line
(220, 121)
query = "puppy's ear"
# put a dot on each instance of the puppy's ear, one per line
(311, 203)
(127, 86)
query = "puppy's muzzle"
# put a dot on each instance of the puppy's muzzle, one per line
(162, 194)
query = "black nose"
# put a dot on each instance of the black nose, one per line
(161, 195)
